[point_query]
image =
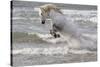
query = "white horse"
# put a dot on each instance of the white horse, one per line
(61, 24)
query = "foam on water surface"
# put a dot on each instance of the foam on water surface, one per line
(44, 51)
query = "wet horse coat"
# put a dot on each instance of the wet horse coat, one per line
(66, 27)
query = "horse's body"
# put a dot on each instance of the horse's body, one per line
(63, 25)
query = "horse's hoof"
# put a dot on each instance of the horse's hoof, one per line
(56, 35)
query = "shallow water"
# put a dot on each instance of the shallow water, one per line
(32, 44)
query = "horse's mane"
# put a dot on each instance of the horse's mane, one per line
(48, 7)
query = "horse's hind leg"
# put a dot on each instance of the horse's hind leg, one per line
(54, 33)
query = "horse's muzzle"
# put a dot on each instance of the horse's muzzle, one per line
(43, 21)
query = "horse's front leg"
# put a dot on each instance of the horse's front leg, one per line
(54, 33)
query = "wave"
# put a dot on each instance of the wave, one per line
(36, 38)
(51, 51)
(19, 37)
(44, 51)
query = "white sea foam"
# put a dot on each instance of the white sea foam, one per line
(50, 51)
(80, 51)
(44, 51)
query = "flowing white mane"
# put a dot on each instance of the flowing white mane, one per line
(46, 8)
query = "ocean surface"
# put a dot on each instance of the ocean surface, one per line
(33, 45)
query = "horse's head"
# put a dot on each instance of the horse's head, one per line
(43, 15)
(45, 10)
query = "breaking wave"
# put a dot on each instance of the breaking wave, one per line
(19, 37)
(35, 37)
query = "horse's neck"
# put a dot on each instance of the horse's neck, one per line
(54, 14)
